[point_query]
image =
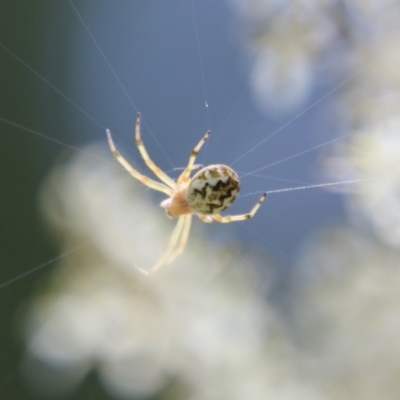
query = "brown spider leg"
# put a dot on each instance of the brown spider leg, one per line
(181, 232)
(144, 179)
(241, 217)
(149, 162)
(184, 177)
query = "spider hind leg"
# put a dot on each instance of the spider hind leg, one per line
(176, 245)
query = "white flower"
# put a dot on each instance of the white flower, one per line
(198, 322)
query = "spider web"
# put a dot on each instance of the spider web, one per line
(250, 147)
(182, 88)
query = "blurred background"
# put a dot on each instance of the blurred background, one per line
(299, 303)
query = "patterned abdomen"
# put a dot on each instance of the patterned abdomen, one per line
(213, 189)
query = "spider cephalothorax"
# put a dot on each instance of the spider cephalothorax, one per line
(209, 192)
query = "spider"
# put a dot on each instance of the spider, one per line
(209, 192)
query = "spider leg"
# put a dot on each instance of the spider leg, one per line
(184, 177)
(149, 162)
(205, 218)
(183, 240)
(241, 217)
(144, 179)
(181, 232)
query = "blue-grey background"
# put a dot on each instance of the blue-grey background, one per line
(169, 70)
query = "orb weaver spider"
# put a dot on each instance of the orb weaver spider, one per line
(209, 192)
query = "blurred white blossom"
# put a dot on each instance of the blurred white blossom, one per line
(346, 297)
(200, 323)
(373, 157)
(353, 41)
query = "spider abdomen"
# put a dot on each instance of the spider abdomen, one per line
(213, 189)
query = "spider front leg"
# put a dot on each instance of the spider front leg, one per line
(241, 217)
(184, 177)
(149, 162)
(144, 179)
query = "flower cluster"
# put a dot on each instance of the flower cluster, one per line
(198, 329)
